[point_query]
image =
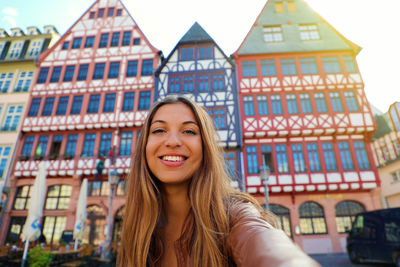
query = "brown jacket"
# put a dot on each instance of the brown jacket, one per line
(253, 242)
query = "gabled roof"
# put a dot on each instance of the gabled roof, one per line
(289, 20)
(196, 34)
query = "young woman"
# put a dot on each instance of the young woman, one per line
(180, 208)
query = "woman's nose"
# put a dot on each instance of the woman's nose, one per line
(173, 140)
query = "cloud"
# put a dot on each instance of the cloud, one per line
(12, 21)
(10, 11)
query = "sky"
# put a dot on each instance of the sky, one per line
(371, 24)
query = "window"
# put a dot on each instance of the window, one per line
(69, 73)
(346, 213)
(53, 227)
(27, 147)
(92, 15)
(136, 41)
(119, 12)
(217, 81)
(99, 71)
(34, 109)
(305, 103)
(248, 105)
(205, 52)
(252, 160)
(71, 145)
(89, 42)
(94, 102)
(82, 73)
(291, 102)
(320, 102)
(115, 39)
(312, 219)
(267, 158)
(331, 64)
(351, 101)
(41, 146)
(281, 158)
(273, 34)
(336, 102)
(219, 118)
(65, 45)
(345, 156)
(230, 163)
(125, 144)
(43, 75)
(100, 14)
(88, 145)
(4, 155)
(129, 101)
(309, 32)
(349, 63)
(262, 102)
(15, 231)
(313, 157)
(174, 84)
(298, 158)
(5, 81)
(288, 67)
(268, 67)
(279, 8)
(76, 104)
(144, 100)
(308, 66)
(329, 156)
(76, 43)
(131, 71)
(12, 117)
(113, 72)
(186, 53)
(58, 197)
(48, 106)
(249, 69)
(126, 38)
(110, 12)
(361, 155)
(204, 83)
(147, 67)
(283, 217)
(55, 75)
(23, 197)
(103, 40)
(24, 82)
(188, 83)
(105, 144)
(276, 104)
(109, 103)
(55, 146)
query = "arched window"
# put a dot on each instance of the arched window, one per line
(283, 215)
(312, 219)
(345, 214)
(58, 197)
(94, 226)
(53, 227)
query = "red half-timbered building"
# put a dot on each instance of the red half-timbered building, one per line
(305, 116)
(90, 96)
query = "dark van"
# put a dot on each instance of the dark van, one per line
(375, 236)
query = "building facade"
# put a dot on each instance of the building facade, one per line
(386, 148)
(90, 97)
(199, 69)
(19, 51)
(305, 116)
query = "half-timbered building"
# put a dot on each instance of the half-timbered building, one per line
(89, 99)
(305, 116)
(199, 69)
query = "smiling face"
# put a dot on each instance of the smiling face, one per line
(174, 146)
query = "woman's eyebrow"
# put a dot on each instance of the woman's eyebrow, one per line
(159, 121)
(190, 122)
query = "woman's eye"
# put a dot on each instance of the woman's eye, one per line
(157, 131)
(190, 132)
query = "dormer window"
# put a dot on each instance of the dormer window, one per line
(186, 53)
(273, 34)
(309, 32)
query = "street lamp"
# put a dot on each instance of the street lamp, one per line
(264, 176)
(113, 179)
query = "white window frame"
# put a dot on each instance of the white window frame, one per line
(273, 34)
(309, 32)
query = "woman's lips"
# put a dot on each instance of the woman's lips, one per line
(173, 160)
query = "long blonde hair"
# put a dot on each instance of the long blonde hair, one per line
(209, 193)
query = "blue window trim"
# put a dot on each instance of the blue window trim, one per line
(129, 101)
(144, 100)
(131, 70)
(62, 105)
(109, 102)
(76, 105)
